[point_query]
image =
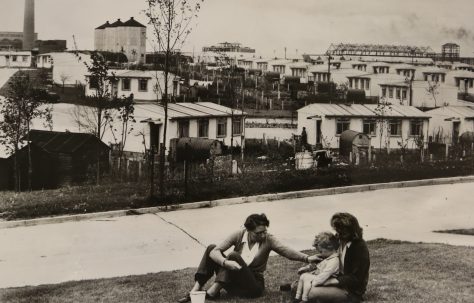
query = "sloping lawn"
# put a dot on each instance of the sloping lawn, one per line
(400, 272)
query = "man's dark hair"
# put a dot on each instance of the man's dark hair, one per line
(348, 223)
(255, 220)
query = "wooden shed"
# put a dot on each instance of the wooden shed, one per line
(355, 147)
(4, 174)
(61, 158)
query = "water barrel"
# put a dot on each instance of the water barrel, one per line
(304, 160)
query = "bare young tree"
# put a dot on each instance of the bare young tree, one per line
(382, 119)
(433, 91)
(63, 77)
(171, 22)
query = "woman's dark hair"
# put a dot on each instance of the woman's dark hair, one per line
(255, 220)
(348, 223)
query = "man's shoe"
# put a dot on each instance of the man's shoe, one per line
(186, 298)
(285, 287)
(214, 297)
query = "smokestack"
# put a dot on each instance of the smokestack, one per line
(29, 25)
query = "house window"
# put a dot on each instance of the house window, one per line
(143, 85)
(93, 83)
(237, 126)
(203, 128)
(221, 127)
(125, 84)
(416, 128)
(384, 92)
(395, 127)
(398, 93)
(404, 94)
(369, 127)
(367, 84)
(25, 58)
(342, 125)
(183, 128)
(390, 92)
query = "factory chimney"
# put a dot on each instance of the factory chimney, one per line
(29, 25)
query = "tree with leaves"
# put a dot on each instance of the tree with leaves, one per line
(25, 102)
(171, 22)
(382, 119)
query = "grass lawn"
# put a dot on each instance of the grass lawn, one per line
(400, 272)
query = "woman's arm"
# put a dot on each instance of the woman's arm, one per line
(217, 254)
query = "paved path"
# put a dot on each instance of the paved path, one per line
(121, 246)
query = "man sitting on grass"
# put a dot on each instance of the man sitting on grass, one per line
(327, 245)
(241, 271)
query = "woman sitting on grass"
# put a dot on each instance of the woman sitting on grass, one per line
(351, 282)
(315, 275)
(241, 271)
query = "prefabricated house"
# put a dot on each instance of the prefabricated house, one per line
(144, 85)
(195, 120)
(448, 123)
(15, 59)
(386, 125)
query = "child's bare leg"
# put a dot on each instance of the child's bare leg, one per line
(306, 287)
(299, 288)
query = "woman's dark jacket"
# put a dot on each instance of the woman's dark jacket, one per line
(356, 268)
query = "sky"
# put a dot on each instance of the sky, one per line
(302, 26)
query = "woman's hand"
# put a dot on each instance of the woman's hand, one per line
(232, 265)
(304, 269)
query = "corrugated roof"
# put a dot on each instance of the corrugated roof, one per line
(362, 110)
(462, 74)
(60, 142)
(184, 110)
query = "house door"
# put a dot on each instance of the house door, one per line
(154, 136)
(318, 131)
(456, 125)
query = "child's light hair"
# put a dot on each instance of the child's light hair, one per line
(326, 240)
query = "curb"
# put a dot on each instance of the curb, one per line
(238, 200)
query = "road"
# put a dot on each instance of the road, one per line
(133, 245)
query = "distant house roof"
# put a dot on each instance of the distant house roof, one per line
(116, 23)
(362, 111)
(60, 142)
(133, 23)
(106, 24)
(196, 110)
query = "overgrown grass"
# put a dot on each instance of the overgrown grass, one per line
(400, 272)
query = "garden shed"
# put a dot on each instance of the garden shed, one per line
(355, 147)
(61, 158)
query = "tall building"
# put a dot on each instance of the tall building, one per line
(29, 25)
(122, 37)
